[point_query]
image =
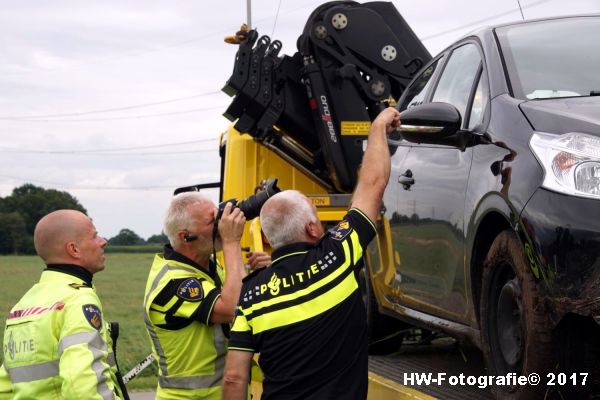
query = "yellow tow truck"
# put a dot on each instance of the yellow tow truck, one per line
(303, 120)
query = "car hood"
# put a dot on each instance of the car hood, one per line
(581, 114)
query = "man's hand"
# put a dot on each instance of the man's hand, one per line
(258, 259)
(231, 225)
(389, 118)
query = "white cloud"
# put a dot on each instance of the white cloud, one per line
(68, 56)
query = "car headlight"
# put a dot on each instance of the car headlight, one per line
(571, 162)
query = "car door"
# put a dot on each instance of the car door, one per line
(431, 186)
(386, 277)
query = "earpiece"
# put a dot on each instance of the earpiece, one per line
(189, 238)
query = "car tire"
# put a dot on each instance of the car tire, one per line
(385, 334)
(514, 329)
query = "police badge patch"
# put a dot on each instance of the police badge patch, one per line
(93, 315)
(341, 230)
(190, 290)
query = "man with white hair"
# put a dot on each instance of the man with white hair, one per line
(188, 296)
(56, 341)
(304, 314)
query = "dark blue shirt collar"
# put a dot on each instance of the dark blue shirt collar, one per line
(72, 269)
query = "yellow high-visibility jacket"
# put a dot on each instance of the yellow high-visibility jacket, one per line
(57, 344)
(189, 349)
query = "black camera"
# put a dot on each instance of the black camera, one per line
(252, 205)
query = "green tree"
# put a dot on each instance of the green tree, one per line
(14, 238)
(31, 203)
(158, 239)
(126, 237)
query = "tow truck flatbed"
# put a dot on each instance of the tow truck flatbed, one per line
(445, 355)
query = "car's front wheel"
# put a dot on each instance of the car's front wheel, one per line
(514, 329)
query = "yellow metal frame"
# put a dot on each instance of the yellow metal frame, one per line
(246, 164)
(379, 388)
(383, 388)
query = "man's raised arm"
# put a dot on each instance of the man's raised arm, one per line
(375, 169)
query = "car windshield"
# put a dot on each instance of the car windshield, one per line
(556, 58)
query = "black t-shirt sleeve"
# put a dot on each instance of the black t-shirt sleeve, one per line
(354, 221)
(362, 225)
(349, 238)
(241, 334)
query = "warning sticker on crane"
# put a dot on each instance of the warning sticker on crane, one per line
(358, 128)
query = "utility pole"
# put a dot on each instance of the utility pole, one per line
(249, 14)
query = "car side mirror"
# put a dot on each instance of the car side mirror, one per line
(433, 123)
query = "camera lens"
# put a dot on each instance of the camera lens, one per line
(252, 205)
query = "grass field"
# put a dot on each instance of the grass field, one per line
(121, 290)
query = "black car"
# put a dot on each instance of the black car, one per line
(493, 205)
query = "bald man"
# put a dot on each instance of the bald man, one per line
(56, 342)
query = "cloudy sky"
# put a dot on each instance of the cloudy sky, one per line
(118, 102)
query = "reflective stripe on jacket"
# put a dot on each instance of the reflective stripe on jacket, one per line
(56, 343)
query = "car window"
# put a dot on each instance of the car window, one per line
(555, 58)
(456, 81)
(415, 93)
(480, 99)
